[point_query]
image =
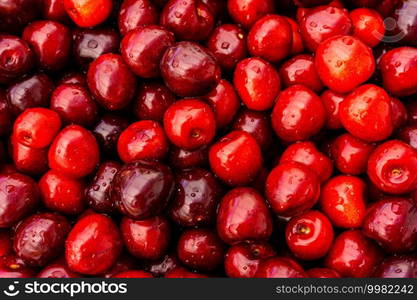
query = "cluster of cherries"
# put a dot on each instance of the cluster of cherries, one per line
(208, 138)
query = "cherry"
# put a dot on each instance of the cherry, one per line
(50, 229)
(404, 15)
(142, 189)
(307, 154)
(310, 235)
(297, 40)
(331, 101)
(16, 58)
(257, 83)
(298, 114)
(51, 42)
(55, 10)
(108, 130)
(180, 272)
(292, 188)
(228, 44)
(277, 267)
(162, 266)
(73, 78)
(368, 26)
(88, 13)
(353, 255)
(32, 161)
(196, 198)
(74, 104)
(242, 260)
(136, 13)
(36, 127)
(188, 19)
(143, 48)
(301, 70)
(322, 273)
(200, 249)
(57, 269)
(247, 12)
(146, 239)
(185, 159)
(111, 82)
(343, 63)
(391, 222)
(93, 245)
(133, 274)
(243, 215)
(6, 117)
(19, 195)
(392, 167)
(13, 267)
(189, 69)
(74, 152)
(15, 14)
(152, 101)
(270, 38)
(408, 135)
(236, 158)
(399, 113)
(97, 192)
(397, 267)
(62, 194)
(142, 140)
(351, 154)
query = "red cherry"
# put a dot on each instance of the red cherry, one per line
(368, 26)
(236, 158)
(409, 135)
(57, 269)
(93, 245)
(6, 243)
(136, 13)
(6, 117)
(28, 160)
(277, 267)
(331, 101)
(343, 63)
(322, 273)
(15, 14)
(185, 159)
(55, 10)
(88, 13)
(257, 83)
(247, 12)
(133, 274)
(73, 78)
(13, 267)
(399, 113)
(243, 215)
(297, 40)
(180, 272)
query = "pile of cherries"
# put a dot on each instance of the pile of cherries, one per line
(208, 138)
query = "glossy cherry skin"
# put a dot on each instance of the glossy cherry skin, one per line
(243, 215)
(62, 194)
(343, 201)
(15, 14)
(392, 167)
(33, 91)
(367, 113)
(257, 83)
(152, 101)
(408, 135)
(141, 190)
(310, 235)
(398, 71)
(6, 116)
(74, 104)
(108, 130)
(301, 70)
(343, 63)
(88, 13)
(143, 48)
(29, 160)
(51, 42)
(93, 245)
(162, 266)
(307, 154)
(57, 269)
(55, 10)
(322, 273)
(188, 19)
(16, 58)
(40, 238)
(280, 267)
(392, 223)
(180, 272)
(142, 140)
(228, 44)
(74, 152)
(297, 41)
(331, 101)
(292, 188)
(236, 158)
(368, 26)
(12, 266)
(189, 69)
(247, 12)
(190, 124)
(36, 127)
(146, 239)
(242, 260)
(323, 22)
(353, 255)
(196, 198)
(185, 159)
(111, 81)
(298, 114)
(97, 192)
(19, 195)
(136, 13)
(257, 124)
(200, 249)
(89, 44)
(397, 267)
(351, 154)
(133, 274)
(404, 15)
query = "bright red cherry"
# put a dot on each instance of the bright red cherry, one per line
(93, 245)
(88, 13)
(297, 41)
(280, 267)
(343, 63)
(368, 26)
(32, 161)
(236, 158)
(136, 13)
(74, 152)
(331, 101)
(247, 12)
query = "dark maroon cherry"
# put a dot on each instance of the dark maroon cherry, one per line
(397, 267)
(57, 269)
(136, 13)
(73, 78)
(6, 117)
(162, 266)
(15, 14)
(55, 10)
(108, 130)
(186, 159)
